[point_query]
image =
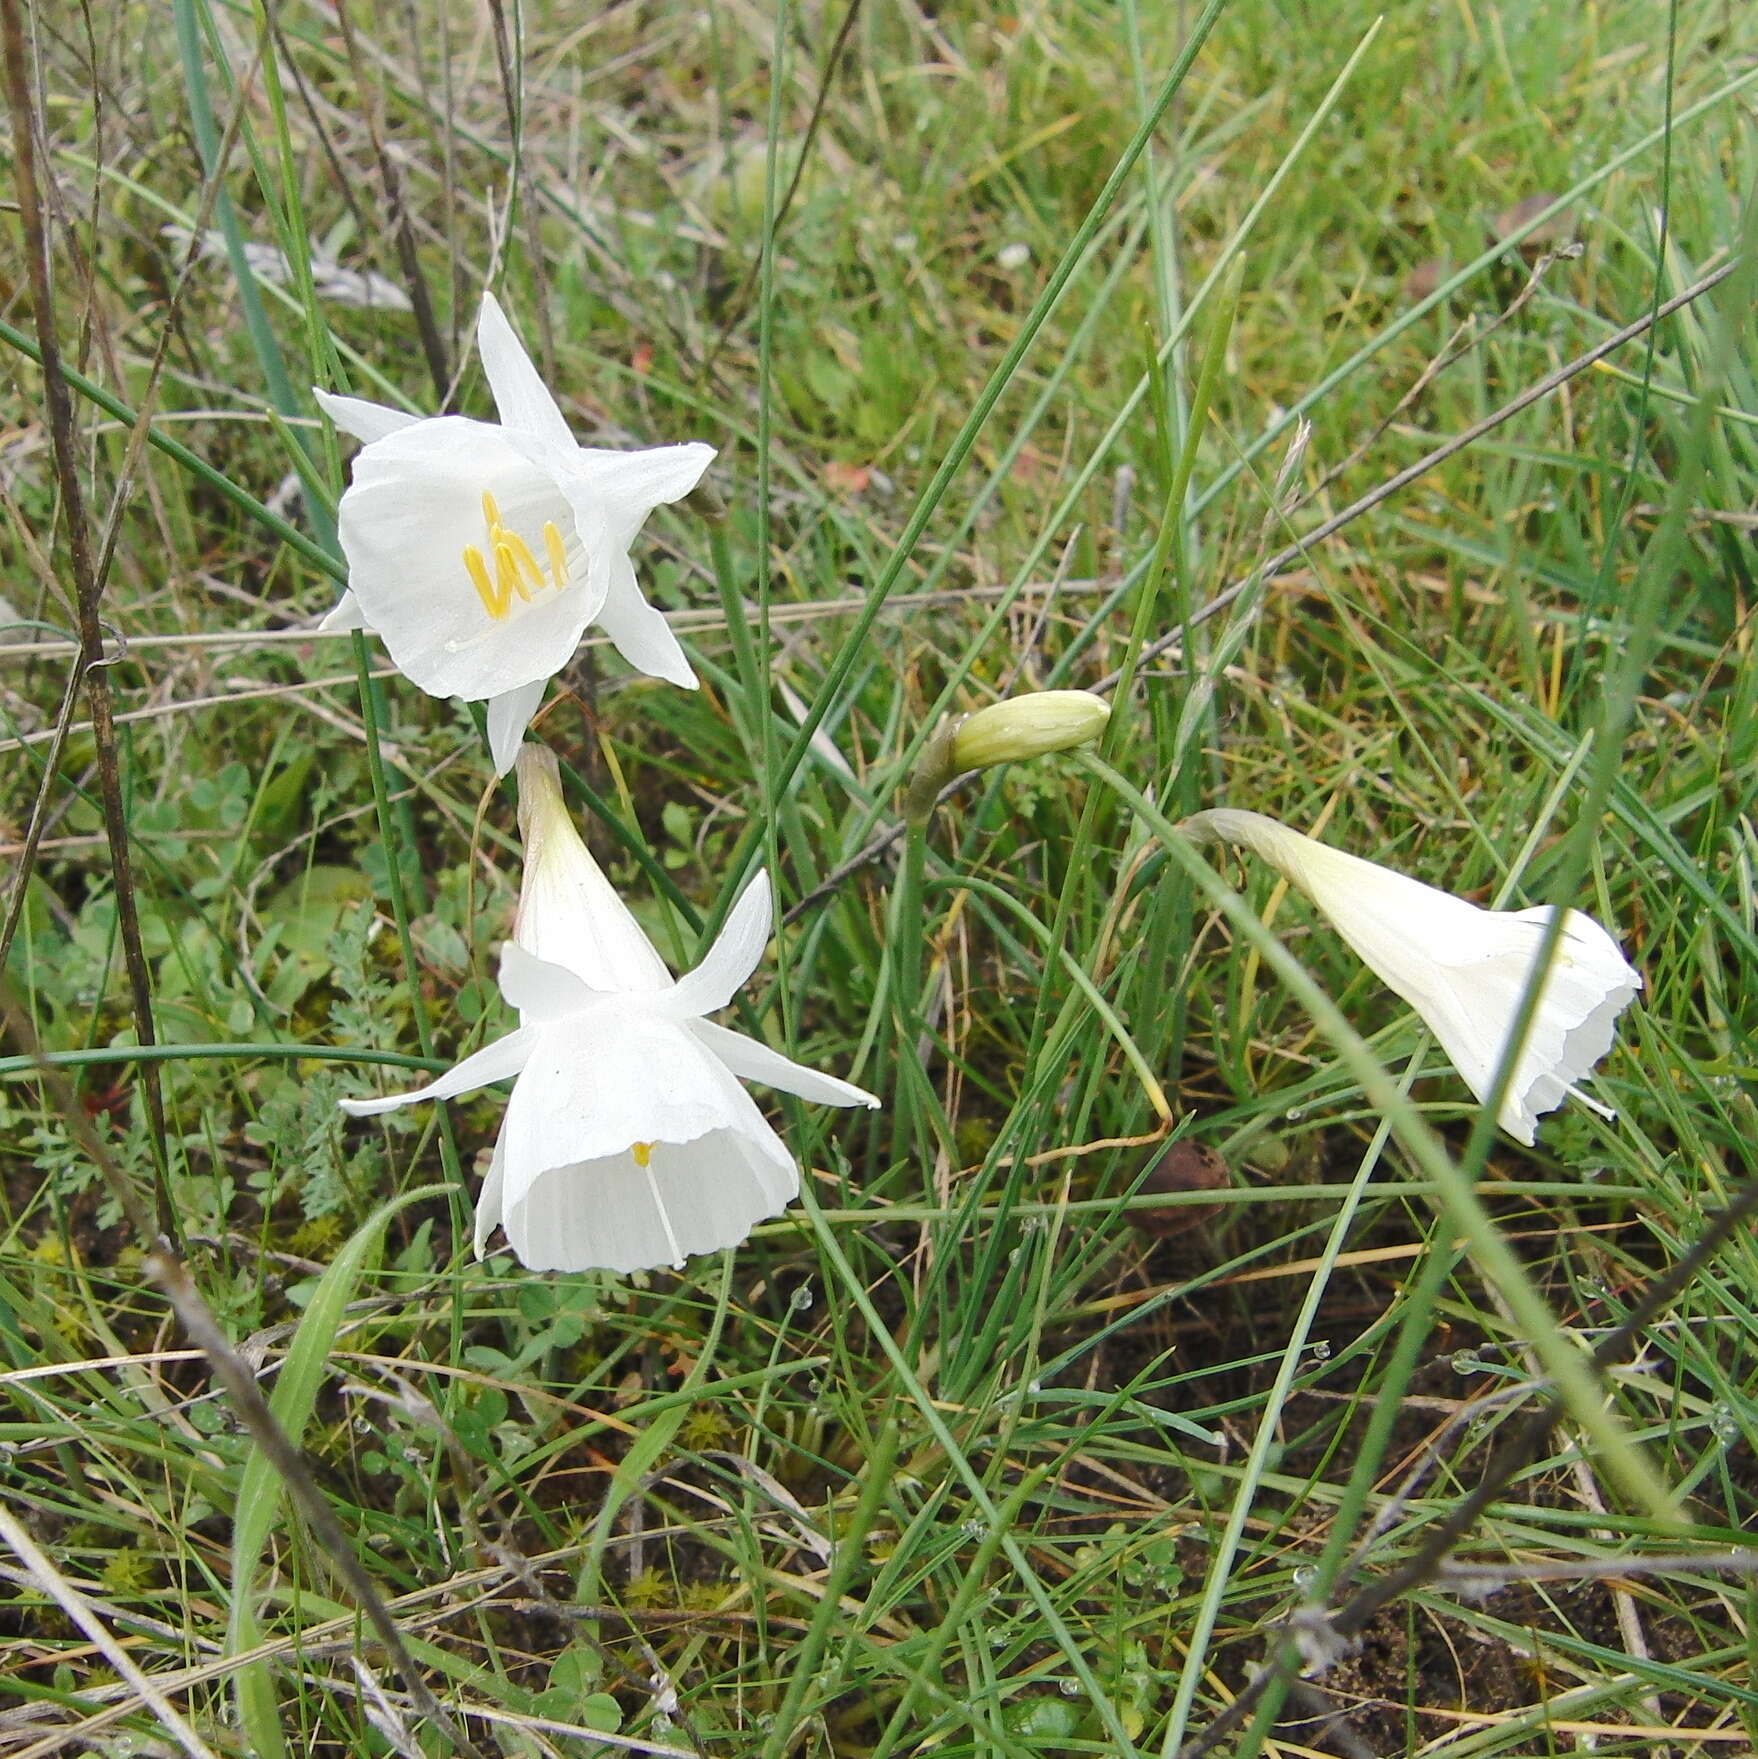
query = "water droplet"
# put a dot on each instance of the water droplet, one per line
(1306, 1577)
(974, 1529)
(1294, 1114)
(1321, 1350)
(801, 1299)
(1071, 1688)
(1724, 1425)
(1464, 1362)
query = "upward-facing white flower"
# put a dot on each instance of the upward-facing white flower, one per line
(1462, 968)
(628, 1141)
(480, 551)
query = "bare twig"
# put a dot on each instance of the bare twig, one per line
(742, 298)
(88, 588)
(433, 345)
(167, 1269)
(1319, 1633)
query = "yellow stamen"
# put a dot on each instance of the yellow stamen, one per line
(494, 601)
(516, 569)
(507, 567)
(643, 1153)
(522, 550)
(558, 556)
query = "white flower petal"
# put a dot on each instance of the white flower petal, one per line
(616, 491)
(363, 420)
(600, 1081)
(409, 522)
(1463, 969)
(604, 1092)
(509, 714)
(344, 614)
(569, 912)
(639, 631)
(494, 1062)
(488, 1205)
(728, 964)
(753, 1061)
(541, 991)
(520, 396)
(614, 1214)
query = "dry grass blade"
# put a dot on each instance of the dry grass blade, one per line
(88, 587)
(80, 1610)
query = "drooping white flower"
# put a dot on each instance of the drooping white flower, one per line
(1462, 968)
(480, 551)
(628, 1142)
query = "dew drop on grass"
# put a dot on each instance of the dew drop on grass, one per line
(1306, 1577)
(1464, 1362)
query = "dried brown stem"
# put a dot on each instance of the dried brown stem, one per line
(88, 587)
(164, 1265)
(1335, 1630)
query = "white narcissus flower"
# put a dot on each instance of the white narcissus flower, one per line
(1462, 968)
(480, 551)
(628, 1142)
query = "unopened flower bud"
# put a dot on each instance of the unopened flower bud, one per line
(1028, 726)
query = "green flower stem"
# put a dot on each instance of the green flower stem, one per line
(1567, 1366)
(388, 836)
(196, 1053)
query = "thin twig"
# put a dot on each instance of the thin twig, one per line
(433, 347)
(88, 588)
(164, 1265)
(742, 298)
(1328, 1635)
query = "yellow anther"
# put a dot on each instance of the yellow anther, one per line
(516, 569)
(522, 550)
(643, 1153)
(558, 555)
(507, 568)
(494, 601)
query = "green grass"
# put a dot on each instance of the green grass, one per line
(954, 1457)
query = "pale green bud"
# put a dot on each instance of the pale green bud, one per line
(1028, 726)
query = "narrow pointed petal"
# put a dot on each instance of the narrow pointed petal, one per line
(624, 487)
(504, 1058)
(569, 913)
(728, 964)
(539, 990)
(639, 631)
(488, 1205)
(520, 396)
(753, 1061)
(509, 714)
(363, 420)
(344, 615)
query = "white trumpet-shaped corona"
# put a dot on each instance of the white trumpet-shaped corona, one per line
(1464, 969)
(480, 551)
(628, 1141)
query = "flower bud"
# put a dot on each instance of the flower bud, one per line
(1028, 726)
